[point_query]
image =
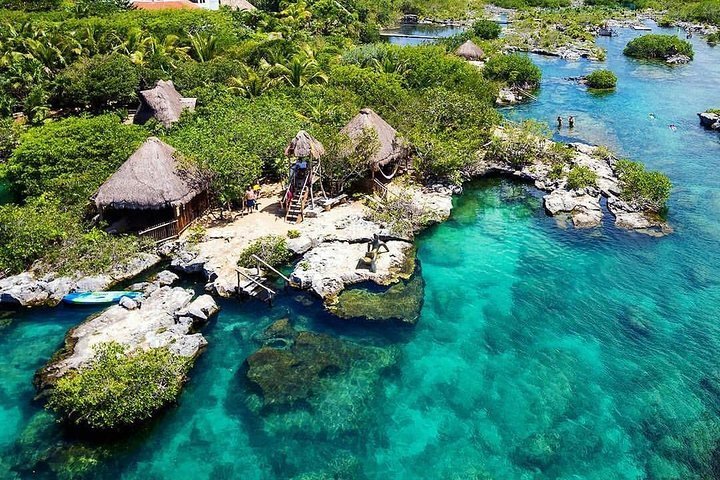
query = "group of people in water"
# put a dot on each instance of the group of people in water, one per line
(570, 121)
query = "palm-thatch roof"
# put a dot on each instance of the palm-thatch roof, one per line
(164, 103)
(390, 147)
(150, 179)
(304, 145)
(237, 4)
(470, 51)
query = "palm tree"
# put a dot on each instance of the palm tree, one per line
(301, 71)
(167, 52)
(253, 83)
(134, 45)
(204, 46)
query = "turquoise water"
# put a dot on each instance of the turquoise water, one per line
(541, 352)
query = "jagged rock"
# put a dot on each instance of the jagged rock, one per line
(139, 287)
(678, 60)
(149, 326)
(710, 120)
(327, 268)
(93, 284)
(23, 290)
(128, 303)
(584, 208)
(630, 218)
(201, 308)
(188, 262)
(299, 245)
(134, 267)
(58, 288)
(166, 278)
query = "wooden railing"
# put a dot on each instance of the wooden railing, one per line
(270, 267)
(161, 232)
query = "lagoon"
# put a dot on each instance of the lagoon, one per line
(541, 351)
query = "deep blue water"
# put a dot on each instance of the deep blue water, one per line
(542, 352)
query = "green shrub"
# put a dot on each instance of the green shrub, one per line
(293, 234)
(26, 232)
(271, 248)
(602, 79)
(70, 158)
(649, 190)
(519, 145)
(99, 82)
(716, 111)
(658, 47)
(119, 388)
(581, 177)
(513, 69)
(486, 29)
(713, 38)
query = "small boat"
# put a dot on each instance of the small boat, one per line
(97, 298)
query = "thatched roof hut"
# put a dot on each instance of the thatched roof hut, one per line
(390, 148)
(150, 179)
(163, 103)
(305, 145)
(151, 193)
(238, 4)
(470, 51)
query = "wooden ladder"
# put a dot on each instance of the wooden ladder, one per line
(253, 286)
(296, 209)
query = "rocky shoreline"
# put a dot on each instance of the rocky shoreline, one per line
(709, 120)
(581, 206)
(30, 290)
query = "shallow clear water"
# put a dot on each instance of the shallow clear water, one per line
(541, 351)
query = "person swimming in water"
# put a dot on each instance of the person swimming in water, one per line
(672, 127)
(652, 116)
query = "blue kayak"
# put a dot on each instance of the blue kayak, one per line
(97, 298)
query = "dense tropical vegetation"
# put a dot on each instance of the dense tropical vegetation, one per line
(70, 70)
(601, 79)
(658, 47)
(117, 388)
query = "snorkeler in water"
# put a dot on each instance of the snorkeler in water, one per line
(652, 116)
(672, 127)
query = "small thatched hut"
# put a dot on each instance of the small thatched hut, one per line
(163, 103)
(470, 51)
(152, 189)
(238, 4)
(304, 145)
(391, 148)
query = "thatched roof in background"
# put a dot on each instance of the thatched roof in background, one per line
(150, 179)
(237, 4)
(163, 103)
(164, 4)
(470, 51)
(390, 147)
(304, 145)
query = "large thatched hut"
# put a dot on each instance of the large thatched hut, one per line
(151, 189)
(470, 51)
(391, 148)
(163, 103)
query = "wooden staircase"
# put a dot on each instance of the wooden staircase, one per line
(296, 209)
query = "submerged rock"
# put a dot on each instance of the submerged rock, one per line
(401, 302)
(306, 366)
